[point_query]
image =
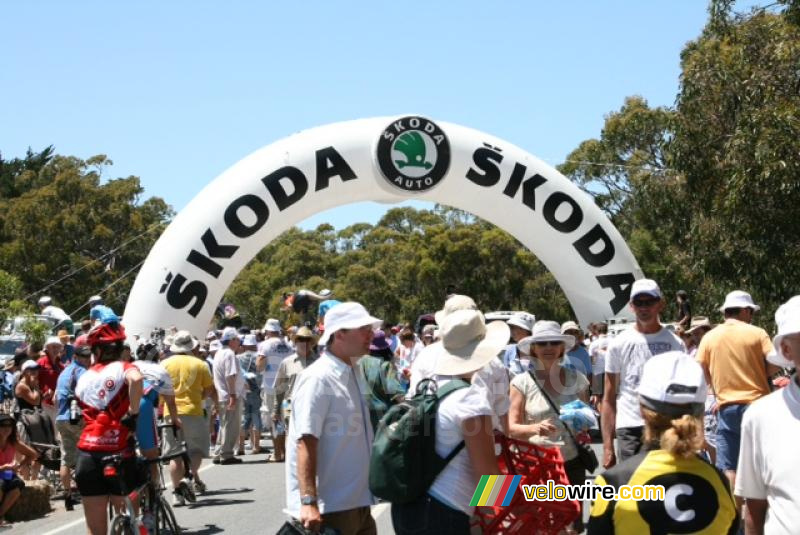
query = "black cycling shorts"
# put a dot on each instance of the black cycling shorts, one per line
(92, 482)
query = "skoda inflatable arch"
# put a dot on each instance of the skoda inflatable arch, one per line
(388, 160)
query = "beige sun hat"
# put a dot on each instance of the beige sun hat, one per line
(698, 322)
(468, 343)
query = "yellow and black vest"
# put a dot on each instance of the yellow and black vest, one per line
(697, 498)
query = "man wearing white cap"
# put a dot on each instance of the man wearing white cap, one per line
(767, 473)
(50, 367)
(521, 325)
(271, 352)
(733, 356)
(229, 382)
(625, 357)
(330, 435)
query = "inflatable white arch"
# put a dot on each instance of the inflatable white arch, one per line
(387, 159)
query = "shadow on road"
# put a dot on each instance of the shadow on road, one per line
(215, 502)
(218, 492)
(209, 529)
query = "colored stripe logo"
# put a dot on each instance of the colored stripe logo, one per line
(495, 491)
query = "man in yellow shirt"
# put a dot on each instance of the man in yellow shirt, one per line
(733, 356)
(192, 381)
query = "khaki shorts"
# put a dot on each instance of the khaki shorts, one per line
(194, 430)
(69, 442)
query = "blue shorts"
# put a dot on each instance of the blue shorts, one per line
(146, 423)
(252, 413)
(729, 434)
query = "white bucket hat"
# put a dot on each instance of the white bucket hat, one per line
(468, 343)
(456, 302)
(673, 384)
(228, 334)
(183, 342)
(787, 318)
(249, 340)
(347, 316)
(272, 325)
(546, 331)
(739, 299)
(523, 320)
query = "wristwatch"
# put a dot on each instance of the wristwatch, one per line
(308, 499)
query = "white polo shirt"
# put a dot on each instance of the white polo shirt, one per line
(328, 404)
(768, 461)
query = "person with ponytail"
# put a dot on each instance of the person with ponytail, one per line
(696, 495)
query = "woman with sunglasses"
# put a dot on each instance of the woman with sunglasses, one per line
(10, 483)
(531, 416)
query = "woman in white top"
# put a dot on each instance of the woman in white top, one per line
(467, 345)
(531, 417)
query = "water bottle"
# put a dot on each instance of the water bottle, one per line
(149, 522)
(74, 412)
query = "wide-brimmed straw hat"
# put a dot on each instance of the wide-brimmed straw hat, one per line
(468, 343)
(546, 331)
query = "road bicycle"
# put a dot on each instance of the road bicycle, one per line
(145, 509)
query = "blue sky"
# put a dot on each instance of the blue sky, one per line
(176, 92)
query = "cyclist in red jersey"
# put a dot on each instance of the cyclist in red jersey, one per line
(109, 393)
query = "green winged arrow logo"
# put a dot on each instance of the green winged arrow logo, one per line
(412, 146)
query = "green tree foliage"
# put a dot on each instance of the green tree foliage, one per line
(400, 268)
(707, 192)
(61, 221)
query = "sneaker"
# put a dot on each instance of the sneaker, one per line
(177, 499)
(199, 486)
(231, 460)
(185, 490)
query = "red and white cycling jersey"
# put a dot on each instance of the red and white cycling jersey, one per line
(103, 396)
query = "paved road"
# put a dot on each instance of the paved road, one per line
(241, 499)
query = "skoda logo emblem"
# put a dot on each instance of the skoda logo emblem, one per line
(413, 153)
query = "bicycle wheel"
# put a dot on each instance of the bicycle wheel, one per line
(166, 524)
(121, 525)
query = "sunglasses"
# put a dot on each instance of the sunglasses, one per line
(644, 303)
(551, 343)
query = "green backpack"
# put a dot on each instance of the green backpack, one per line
(404, 462)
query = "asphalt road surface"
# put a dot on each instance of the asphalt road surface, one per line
(243, 498)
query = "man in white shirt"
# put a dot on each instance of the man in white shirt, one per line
(230, 384)
(271, 352)
(766, 475)
(625, 358)
(330, 435)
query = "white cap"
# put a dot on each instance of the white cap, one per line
(29, 365)
(645, 286)
(672, 383)
(568, 326)
(272, 325)
(95, 299)
(45, 300)
(787, 318)
(249, 340)
(523, 320)
(456, 302)
(53, 340)
(739, 299)
(228, 334)
(347, 316)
